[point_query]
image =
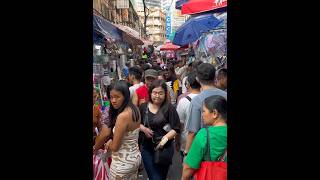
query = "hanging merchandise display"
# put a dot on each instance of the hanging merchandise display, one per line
(104, 49)
(215, 42)
(170, 54)
(211, 47)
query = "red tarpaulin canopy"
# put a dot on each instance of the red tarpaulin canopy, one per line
(198, 6)
(169, 46)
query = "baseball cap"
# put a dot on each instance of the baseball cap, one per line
(151, 73)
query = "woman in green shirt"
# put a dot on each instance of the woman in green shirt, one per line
(214, 116)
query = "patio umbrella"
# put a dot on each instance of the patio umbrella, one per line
(222, 17)
(169, 47)
(191, 30)
(198, 6)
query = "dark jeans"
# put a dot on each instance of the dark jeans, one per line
(154, 171)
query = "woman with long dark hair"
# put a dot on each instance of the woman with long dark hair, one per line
(160, 124)
(125, 122)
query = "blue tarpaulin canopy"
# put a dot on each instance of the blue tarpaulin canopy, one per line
(98, 38)
(106, 28)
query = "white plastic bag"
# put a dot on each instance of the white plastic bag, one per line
(101, 169)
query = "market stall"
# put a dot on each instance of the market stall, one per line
(211, 47)
(106, 48)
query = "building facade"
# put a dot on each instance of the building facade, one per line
(165, 4)
(156, 26)
(127, 17)
(153, 3)
(155, 20)
(176, 19)
(138, 4)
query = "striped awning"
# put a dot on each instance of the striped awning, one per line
(130, 35)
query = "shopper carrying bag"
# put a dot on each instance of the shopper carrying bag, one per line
(208, 153)
(213, 170)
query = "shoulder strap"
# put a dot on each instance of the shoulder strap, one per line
(207, 155)
(189, 98)
(145, 119)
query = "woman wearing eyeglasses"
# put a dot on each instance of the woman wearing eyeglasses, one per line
(160, 124)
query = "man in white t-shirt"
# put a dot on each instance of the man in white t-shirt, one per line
(188, 70)
(135, 75)
(183, 110)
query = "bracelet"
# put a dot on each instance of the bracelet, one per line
(164, 141)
